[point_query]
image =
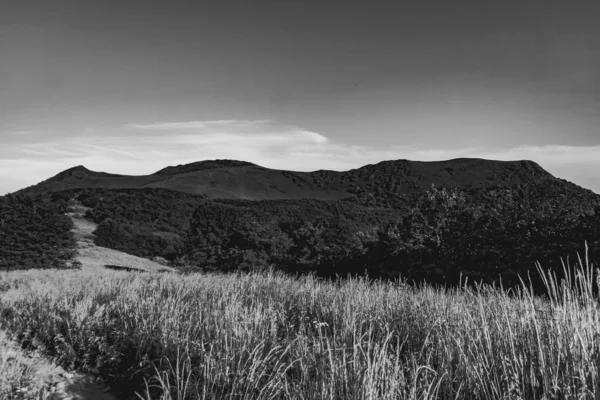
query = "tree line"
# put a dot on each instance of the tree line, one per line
(443, 235)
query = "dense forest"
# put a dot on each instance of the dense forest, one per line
(442, 235)
(35, 233)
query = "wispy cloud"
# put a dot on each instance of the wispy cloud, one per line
(21, 133)
(166, 126)
(127, 150)
(45, 151)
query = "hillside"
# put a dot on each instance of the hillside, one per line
(433, 221)
(91, 256)
(34, 233)
(215, 179)
(388, 180)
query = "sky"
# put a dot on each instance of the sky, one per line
(133, 86)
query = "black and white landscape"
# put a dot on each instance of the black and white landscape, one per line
(299, 200)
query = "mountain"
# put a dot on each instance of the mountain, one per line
(436, 221)
(229, 179)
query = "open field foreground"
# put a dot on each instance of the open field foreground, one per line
(267, 336)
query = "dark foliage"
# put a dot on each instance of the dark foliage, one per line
(295, 235)
(143, 222)
(159, 209)
(35, 233)
(492, 234)
(449, 235)
(122, 268)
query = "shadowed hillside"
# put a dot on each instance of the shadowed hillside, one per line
(390, 181)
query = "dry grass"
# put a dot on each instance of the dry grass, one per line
(95, 257)
(268, 336)
(17, 372)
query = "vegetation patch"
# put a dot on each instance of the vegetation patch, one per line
(35, 233)
(122, 268)
(17, 372)
(269, 336)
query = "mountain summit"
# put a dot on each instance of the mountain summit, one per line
(80, 172)
(202, 165)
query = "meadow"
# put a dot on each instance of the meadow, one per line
(270, 336)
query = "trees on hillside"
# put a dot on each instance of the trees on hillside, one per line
(34, 233)
(439, 235)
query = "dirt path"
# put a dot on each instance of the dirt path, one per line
(57, 384)
(40, 379)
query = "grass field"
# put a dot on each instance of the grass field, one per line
(268, 336)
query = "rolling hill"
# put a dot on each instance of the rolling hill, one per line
(231, 179)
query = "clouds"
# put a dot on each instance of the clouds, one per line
(186, 125)
(143, 148)
(224, 135)
(21, 133)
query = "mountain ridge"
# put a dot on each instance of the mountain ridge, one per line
(233, 179)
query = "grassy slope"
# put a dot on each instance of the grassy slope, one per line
(92, 257)
(265, 336)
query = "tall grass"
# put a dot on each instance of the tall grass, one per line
(17, 373)
(268, 336)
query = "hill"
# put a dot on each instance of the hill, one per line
(389, 181)
(430, 221)
(215, 179)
